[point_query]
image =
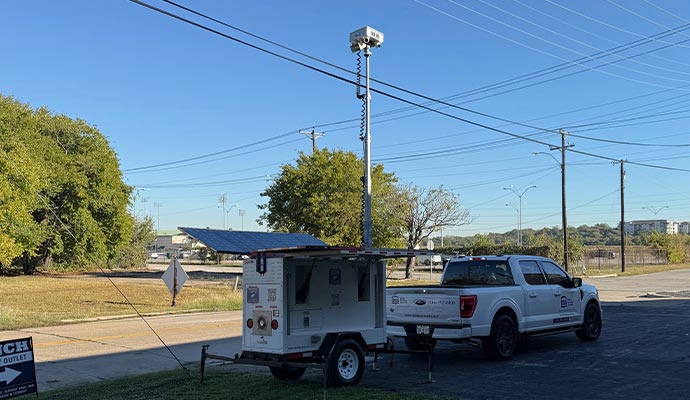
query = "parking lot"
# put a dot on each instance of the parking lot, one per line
(644, 352)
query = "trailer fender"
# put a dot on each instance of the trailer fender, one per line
(333, 338)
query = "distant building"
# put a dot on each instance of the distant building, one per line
(658, 225)
(684, 228)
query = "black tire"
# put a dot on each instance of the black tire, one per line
(504, 338)
(345, 364)
(413, 343)
(287, 373)
(591, 325)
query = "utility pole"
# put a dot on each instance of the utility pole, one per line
(564, 215)
(313, 135)
(622, 163)
(158, 222)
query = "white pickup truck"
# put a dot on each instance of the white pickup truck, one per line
(495, 300)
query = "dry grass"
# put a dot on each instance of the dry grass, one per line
(31, 301)
(630, 269)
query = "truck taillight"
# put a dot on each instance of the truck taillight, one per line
(467, 306)
(250, 323)
(274, 324)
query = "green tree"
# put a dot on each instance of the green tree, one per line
(135, 254)
(69, 182)
(22, 177)
(676, 247)
(321, 194)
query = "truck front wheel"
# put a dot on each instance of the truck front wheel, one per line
(504, 338)
(591, 326)
(346, 363)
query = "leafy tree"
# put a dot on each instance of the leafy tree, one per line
(425, 212)
(321, 194)
(135, 255)
(677, 247)
(67, 178)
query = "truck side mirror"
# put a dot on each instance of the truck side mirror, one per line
(577, 282)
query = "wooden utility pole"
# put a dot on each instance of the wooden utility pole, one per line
(622, 163)
(313, 135)
(564, 214)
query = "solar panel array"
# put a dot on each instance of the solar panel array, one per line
(242, 242)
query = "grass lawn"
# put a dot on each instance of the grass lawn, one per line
(32, 301)
(218, 385)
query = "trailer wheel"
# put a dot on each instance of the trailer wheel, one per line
(346, 363)
(287, 373)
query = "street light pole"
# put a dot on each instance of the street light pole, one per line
(517, 213)
(654, 209)
(519, 194)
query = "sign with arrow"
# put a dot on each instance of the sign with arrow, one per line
(17, 369)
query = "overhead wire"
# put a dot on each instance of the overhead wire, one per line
(568, 38)
(386, 94)
(313, 58)
(602, 22)
(545, 52)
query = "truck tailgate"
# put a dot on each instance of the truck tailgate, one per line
(419, 305)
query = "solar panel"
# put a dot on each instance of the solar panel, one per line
(242, 242)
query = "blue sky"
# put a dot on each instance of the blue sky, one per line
(164, 91)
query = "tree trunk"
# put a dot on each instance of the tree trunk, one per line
(408, 268)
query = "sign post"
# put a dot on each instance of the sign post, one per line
(174, 278)
(17, 369)
(430, 247)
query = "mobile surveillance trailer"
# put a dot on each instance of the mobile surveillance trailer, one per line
(320, 307)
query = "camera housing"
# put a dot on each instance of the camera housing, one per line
(364, 37)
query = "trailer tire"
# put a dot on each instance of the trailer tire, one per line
(416, 344)
(287, 373)
(345, 363)
(502, 342)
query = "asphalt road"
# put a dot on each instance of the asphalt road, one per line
(644, 351)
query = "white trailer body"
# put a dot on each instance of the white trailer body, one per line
(315, 307)
(300, 300)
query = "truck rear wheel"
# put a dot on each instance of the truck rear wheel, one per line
(346, 364)
(287, 373)
(502, 342)
(591, 326)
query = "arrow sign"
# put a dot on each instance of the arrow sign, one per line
(9, 375)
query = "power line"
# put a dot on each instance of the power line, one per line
(389, 95)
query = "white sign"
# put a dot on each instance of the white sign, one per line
(169, 277)
(430, 245)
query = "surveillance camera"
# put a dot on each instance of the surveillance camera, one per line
(364, 37)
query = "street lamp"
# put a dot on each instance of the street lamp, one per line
(227, 214)
(519, 194)
(654, 209)
(516, 212)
